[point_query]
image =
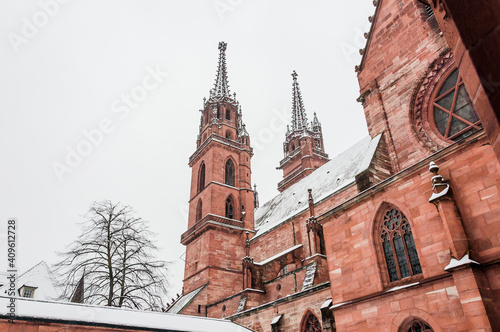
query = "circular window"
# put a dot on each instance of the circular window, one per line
(223, 308)
(441, 111)
(278, 287)
(451, 110)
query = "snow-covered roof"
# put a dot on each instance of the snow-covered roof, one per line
(326, 180)
(93, 315)
(184, 300)
(40, 277)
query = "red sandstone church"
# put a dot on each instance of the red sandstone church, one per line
(401, 232)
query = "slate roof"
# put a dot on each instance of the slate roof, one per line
(330, 178)
(184, 300)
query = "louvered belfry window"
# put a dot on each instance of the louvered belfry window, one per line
(229, 176)
(452, 110)
(398, 246)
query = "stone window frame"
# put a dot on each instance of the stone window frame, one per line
(422, 93)
(229, 207)
(230, 179)
(202, 177)
(199, 210)
(410, 324)
(309, 316)
(382, 263)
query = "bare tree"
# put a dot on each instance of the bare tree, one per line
(116, 255)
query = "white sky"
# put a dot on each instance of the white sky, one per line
(68, 75)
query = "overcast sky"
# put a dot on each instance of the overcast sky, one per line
(121, 82)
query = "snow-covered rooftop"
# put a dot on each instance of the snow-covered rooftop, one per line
(184, 300)
(326, 180)
(40, 277)
(135, 319)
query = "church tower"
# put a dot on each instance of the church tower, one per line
(303, 147)
(221, 205)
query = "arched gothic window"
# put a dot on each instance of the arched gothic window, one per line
(228, 134)
(311, 324)
(398, 246)
(229, 208)
(229, 174)
(452, 110)
(199, 210)
(201, 178)
(228, 114)
(416, 326)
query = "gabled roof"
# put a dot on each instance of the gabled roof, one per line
(40, 277)
(374, 20)
(330, 178)
(184, 300)
(89, 315)
(369, 35)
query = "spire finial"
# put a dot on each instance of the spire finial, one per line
(221, 88)
(299, 117)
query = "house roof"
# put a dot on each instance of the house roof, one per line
(328, 179)
(40, 277)
(80, 314)
(184, 300)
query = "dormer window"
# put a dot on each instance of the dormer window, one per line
(27, 291)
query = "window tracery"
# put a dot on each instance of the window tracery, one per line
(311, 324)
(417, 326)
(398, 246)
(451, 109)
(441, 111)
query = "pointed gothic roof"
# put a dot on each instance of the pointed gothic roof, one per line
(299, 117)
(221, 86)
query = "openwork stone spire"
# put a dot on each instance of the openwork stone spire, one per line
(299, 117)
(221, 87)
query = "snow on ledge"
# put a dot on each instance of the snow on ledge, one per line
(279, 255)
(393, 289)
(327, 304)
(338, 305)
(464, 261)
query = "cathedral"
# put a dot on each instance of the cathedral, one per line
(401, 232)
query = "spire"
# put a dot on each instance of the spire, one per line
(221, 87)
(299, 117)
